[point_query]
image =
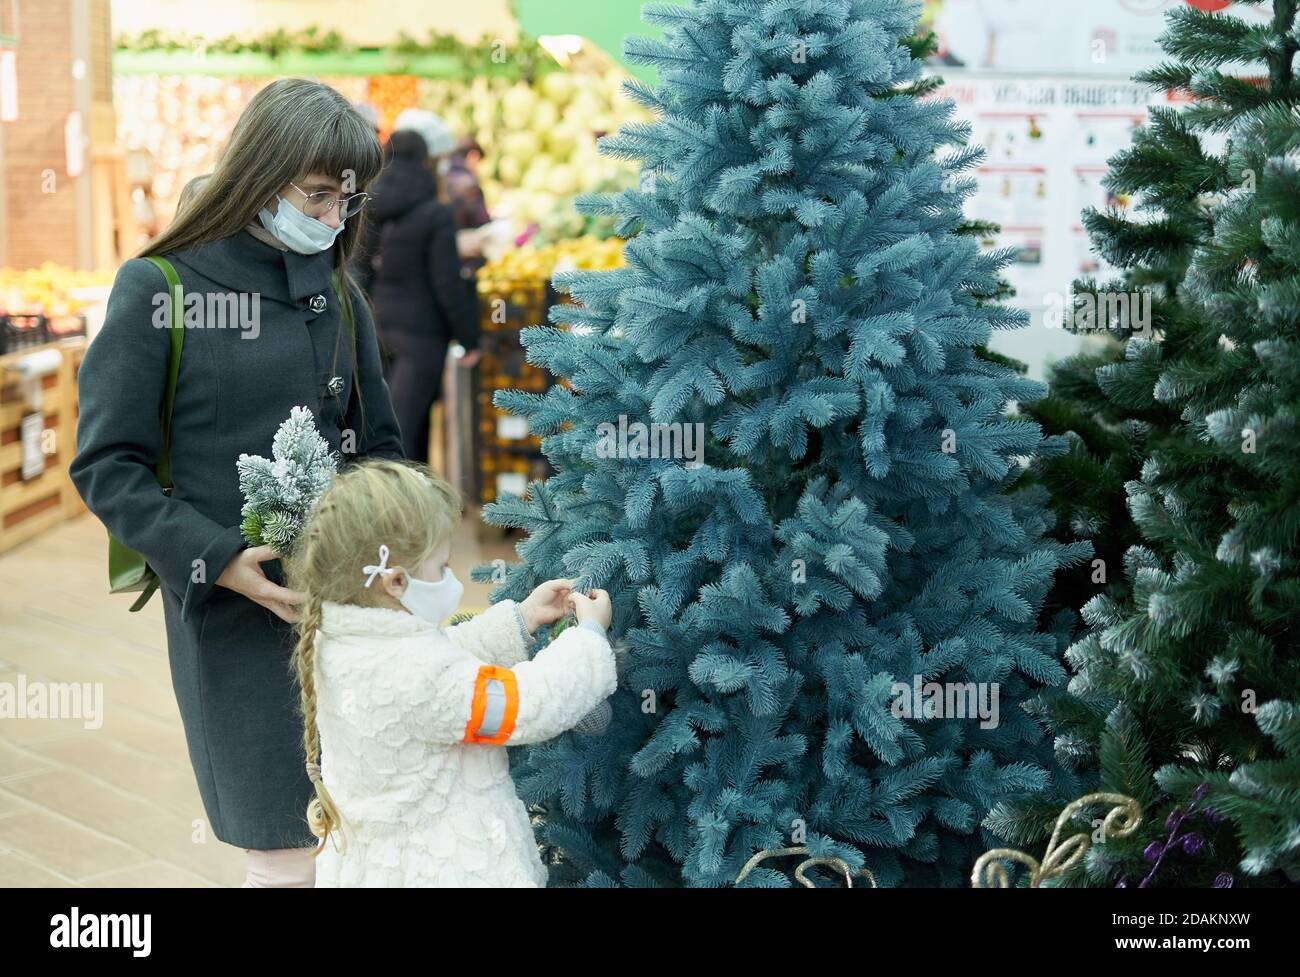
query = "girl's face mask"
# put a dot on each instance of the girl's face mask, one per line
(296, 230)
(433, 601)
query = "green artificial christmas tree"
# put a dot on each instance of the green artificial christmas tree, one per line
(816, 504)
(1103, 406)
(1187, 677)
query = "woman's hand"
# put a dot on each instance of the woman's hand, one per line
(594, 607)
(546, 604)
(244, 576)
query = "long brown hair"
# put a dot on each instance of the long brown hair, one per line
(292, 127)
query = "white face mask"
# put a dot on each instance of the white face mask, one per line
(296, 230)
(434, 602)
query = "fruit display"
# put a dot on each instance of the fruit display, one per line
(564, 222)
(536, 266)
(51, 290)
(38, 305)
(390, 95)
(514, 294)
(539, 140)
(505, 451)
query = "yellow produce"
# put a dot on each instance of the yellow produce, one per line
(545, 117)
(517, 106)
(534, 266)
(521, 146)
(51, 290)
(509, 170)
(562, 140)
(558, 87)
(538, 170)
(562, 180)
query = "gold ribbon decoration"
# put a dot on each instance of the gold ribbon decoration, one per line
(836, 863)
(1121, 820)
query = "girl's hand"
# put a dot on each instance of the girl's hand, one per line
(595, 607)
(244, 576)
(546, 604)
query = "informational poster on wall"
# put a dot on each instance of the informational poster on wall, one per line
(1057, 37)
(1046, 87)
(1046, 142)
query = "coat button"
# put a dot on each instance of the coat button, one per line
(317, 303)
(335, 386)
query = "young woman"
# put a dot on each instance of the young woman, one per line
(263, 243)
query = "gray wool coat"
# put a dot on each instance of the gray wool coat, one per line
(239, 378)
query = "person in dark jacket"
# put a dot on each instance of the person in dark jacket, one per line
(468, 207)
(464, 193)
(420, 301)
(257, 248)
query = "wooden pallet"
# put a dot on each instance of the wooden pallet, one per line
(30, 507)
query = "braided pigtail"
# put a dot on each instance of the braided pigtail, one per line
(322, 815)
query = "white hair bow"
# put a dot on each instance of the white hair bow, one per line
(373, 570)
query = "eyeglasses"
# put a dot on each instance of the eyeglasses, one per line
(320, 203)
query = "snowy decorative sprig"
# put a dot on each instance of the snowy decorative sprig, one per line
(280, 491)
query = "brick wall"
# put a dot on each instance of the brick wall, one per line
(41, 225)
(101, 52)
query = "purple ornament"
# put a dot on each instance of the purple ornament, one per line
(1191, 842)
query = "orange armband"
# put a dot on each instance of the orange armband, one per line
(492, 685)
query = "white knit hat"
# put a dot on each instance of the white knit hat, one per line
(437, 135)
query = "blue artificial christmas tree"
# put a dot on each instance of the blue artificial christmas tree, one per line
(808, 506)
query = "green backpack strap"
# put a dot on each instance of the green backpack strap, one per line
(145, 594)
(177, 333)
(345, 307)
(345, 303)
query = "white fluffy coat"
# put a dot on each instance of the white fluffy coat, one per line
(394, 696)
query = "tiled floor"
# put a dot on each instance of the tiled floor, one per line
(116, 805)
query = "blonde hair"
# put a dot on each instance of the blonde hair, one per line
(402, 505)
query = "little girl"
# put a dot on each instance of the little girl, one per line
(408, 720)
